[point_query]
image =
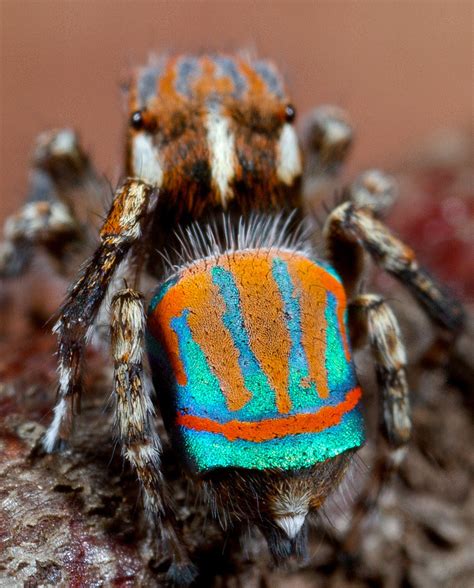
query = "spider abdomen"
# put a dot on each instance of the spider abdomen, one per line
(252, 363)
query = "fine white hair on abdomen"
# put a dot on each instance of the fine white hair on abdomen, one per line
(289, 165)
(259, 231)
(146, 162)
(221, 145)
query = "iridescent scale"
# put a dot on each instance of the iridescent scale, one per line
(251, 362)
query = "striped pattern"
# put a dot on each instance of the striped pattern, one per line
(211, 76)
(253, 348)
(214, 133)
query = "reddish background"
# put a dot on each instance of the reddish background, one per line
(402, 69)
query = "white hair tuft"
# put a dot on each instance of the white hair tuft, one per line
(228, 235)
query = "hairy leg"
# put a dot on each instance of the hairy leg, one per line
(121, 230)
(371, 317)
(326, 141)
(43, 223)
(135, 422)
(61, 211)
(60, 155)
(373, 190)
(351, 231)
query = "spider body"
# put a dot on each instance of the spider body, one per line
(251, 350)
(249, 339)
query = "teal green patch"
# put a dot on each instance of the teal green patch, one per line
(158, 297)
(211, 450)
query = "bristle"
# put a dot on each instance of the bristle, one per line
(223, 236)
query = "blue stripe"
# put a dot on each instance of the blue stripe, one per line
(303, 399)
(263, 400)
(147, 84)
(227, 68)
(189, 68)
(271, 78)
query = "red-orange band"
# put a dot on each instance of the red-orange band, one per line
(326, 417)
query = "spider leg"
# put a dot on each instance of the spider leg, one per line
(121, 230)
(370, 316)
(63, 190)
(351, 231)
(49, 224)
(135, 421)
(326, 141)
(375, 190)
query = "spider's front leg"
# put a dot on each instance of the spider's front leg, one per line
(135, 421)
(326, 142)
(49, 224)
(64, 194)
(121, 230)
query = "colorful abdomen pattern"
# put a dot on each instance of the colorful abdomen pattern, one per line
(250, 349)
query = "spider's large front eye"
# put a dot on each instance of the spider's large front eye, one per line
(137, 120)
(290, 113)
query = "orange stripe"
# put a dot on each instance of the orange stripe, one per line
(263, 314)
(201, 296)
(313, 277)
(207, 83)
(313, 302)
(267, 429)
(256, 84)
(167, 82)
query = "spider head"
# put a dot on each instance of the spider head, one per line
(214, 131)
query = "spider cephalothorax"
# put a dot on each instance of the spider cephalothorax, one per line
(249, 335)
(214, 131)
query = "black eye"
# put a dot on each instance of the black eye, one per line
(136, 120)
(290, 113)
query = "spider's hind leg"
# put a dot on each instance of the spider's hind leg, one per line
(371, 317)
(136, 428)
(351, 231)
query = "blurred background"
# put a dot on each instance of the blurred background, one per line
(403, 70)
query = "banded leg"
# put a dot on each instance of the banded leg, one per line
(135, 420)
(64, 195)
(371, 317)
(374, 190)
(326, 141)
(49, 224)
(59, 155)
(350, 231)
(121, 230)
